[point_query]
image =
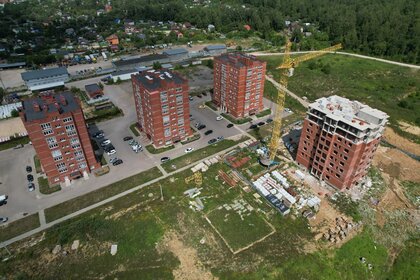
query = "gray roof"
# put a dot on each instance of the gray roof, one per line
(29, 111)
(44, 73)
(175, 51)
(92, 88)
(215, 47)
(146, 58)
(159, 79)
(122, 72)
(11, 65)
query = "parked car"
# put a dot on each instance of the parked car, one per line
(3, 199)
(18, 146)
(229, 125)
(105, 142)
(261, 123)
(30, 177)
(127, 138)
(190, 98)
(253, 126)
(204, 93)
(28, 169)
(117, 162)
(111, 152)
(199, 95)
(165, 159)
(189, 150)
(208, 132)
(112, 160)
(3, 219)
(269, 120)
(212, 141)
(220, 138)
(219, 118)
(200, 127)
(31, 187)
(131, 142)
(202, 106)
(109, 148)
(98, 134)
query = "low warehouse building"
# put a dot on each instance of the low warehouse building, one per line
(147, 60)
(214, 50)
(45, 78)
(176, 54)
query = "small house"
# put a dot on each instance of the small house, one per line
(94, 91)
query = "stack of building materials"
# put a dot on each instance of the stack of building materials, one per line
(300, 174)
(6, 110)
(280, 178)
(314, 202)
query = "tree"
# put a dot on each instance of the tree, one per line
(15, 113)
(2, 94)
(157, 65)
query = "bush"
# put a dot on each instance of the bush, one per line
(15, 113)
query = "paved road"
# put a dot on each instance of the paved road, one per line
(348, 54)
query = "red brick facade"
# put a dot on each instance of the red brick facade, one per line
(238, 84)
(58, 132)
(162, 106)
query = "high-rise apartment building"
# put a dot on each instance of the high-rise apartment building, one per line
(338, 140)
(58, 132)
(238, 84)
(162, 106)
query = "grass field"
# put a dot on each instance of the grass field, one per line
(390, 88)
(37, 164)
(45, 188)
(18, 227)
(196, 155)
(134, 129)
(153, 150)
(230, 226)
(235, 121)
(70, 206)
(13, 143)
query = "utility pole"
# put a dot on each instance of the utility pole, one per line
(161, 192)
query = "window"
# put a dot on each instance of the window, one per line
(178, 89)
(164, 96)
(346, 151)
(74, 141)
(165, 109)
(80, 158)
(166, 121)
(72, 133)
(78, 153)
(179, 99)
(66, 120)
(45, 126)
(82, 165)
(75, 146)
(167, 132)
(47, 132)
(56, 154)
(180, 121)
(70, 127)
(51, 140)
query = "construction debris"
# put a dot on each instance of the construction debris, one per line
(114, 248)
(230, 181)
(75, 245)
(341, 231)
(56, 249)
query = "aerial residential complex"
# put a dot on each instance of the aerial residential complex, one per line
(239, 84)
(338, 140)
(45, 78)
(57, 129)
(162, 106)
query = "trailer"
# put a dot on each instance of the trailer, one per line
(92, 57)
(87, 58)
(104, 56)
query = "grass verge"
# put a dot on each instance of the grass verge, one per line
(14, 142)
(18, 227)
(196, 155)
(103, 115)
(37, 164)
(133, 129)
(264, 113)
(45, 188)
(211, 105)
(153, 150)
(75, 204)
(235, 121)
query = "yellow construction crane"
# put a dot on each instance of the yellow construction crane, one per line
(286, 69)
(196, 177)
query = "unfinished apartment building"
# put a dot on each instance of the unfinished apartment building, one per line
(338, 140)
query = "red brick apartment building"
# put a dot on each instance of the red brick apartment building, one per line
(238, 84)
(57, 129)
(162, 106)
(338, 140)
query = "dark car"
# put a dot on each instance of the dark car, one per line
(109, 148)
(200, 127)
(99, 135)
(208, 132)
(229, 125)
(28, 169)
(254, 126)
(261, 123)
(117, 162)
(165, 159)
(127, 138)
(199, 95)
(269, 120)
(212, 141)
(204, 93)
(30, 177)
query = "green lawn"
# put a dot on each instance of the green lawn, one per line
(14, 142)
(106, 114)
(153, 150)
(235, 121)
(133, 129)
(270, 92)
(70, 206)
(211, 105)
(37, 164)
(45, 188)
(390, 88)
(230, 225)
(19, 227)
(264, 113)
(196, 155)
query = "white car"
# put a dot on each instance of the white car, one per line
(111, 152)
(189, 150)
(105, 142)
(111, 160)
(219, 118)
(31, 187)
(3, 219)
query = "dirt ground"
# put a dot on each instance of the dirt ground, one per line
(190, 267)
(397, 164)
(11, 78)
(391, 137)
(11, 126)
(410, 128)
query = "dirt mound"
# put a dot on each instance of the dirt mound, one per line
(397, 164)
(410, 128)
(391, 137)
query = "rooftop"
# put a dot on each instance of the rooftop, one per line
(154, 80)
(44, 73)
(37, 108)
(146, 58)
(175, 51)
(238, 59)
(215, 47)
(351, 112)
(92, 88)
